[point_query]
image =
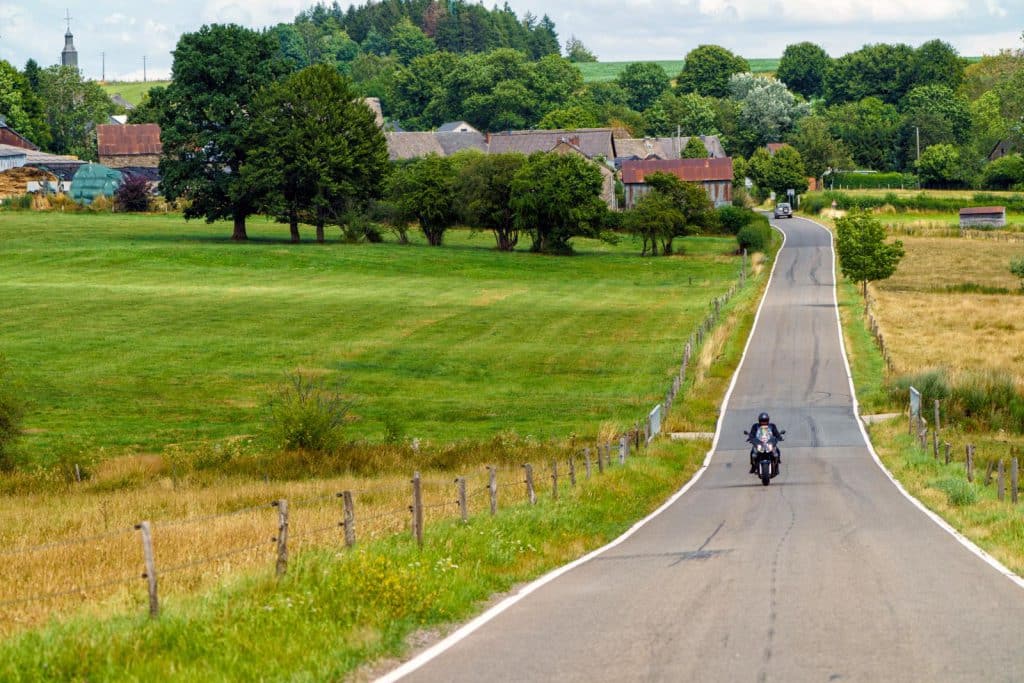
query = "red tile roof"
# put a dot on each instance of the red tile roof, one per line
(129, 139)
(689, 170)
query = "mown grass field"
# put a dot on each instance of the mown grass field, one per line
(133, 91)
(134, 333)
(609, 71)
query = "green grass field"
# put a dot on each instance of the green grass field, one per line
(132, 91)
(608, 71)
(133, 333)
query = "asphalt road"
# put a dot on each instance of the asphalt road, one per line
(829, 574)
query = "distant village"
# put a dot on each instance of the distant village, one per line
(134, 150)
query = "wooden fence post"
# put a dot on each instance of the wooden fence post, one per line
(1001, 479)
(417, 509)
(608, 453)
(970, 463)
(948, 456)
(463, 507)
(988, 472)
(935, 431)
(1014, 480)
(492, 488)
(530, 493)
(554, 480)
(282, 536)
(150, 562)
(600, 460)
(586, 461)
(572, 469)
(623, 445)
(350, 518)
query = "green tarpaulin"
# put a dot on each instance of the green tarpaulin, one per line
(94, 180)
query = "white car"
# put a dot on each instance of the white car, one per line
(783, 210)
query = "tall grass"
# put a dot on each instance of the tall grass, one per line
(334, 610)
(815, 202)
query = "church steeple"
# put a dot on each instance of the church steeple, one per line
(69, 55)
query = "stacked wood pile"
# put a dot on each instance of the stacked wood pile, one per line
(14, 181)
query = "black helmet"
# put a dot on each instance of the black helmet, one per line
(763, 419)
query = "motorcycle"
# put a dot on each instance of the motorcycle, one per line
(765, 450)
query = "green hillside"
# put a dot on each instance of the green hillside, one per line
(607, 71)
(133, 91)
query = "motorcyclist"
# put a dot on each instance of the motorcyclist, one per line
(763, 421)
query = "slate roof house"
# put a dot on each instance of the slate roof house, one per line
(592, 142)
(456, 127)
(412, 145)
(715, 175)
(662, 148)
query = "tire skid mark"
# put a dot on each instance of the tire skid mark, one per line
(773, 606)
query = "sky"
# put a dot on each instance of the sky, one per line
(144, 33)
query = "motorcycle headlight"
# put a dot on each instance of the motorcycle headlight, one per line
(760, 448)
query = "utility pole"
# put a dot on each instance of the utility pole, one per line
(917, 132)
(103, 71)
(144, 69)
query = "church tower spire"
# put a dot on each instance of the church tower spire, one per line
(69, 55)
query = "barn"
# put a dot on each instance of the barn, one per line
(715, 175)
(983, 216)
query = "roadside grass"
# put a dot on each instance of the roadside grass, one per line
(336, 610)
(709, 377)
(133, 91)
(137, 334)
(971, 508)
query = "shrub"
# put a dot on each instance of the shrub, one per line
(11, 411)
(132, 194)
(1017, 268)
(755, 236)
(732, 218)
(958, 491)
(933, 384)
(306, 416)
(358, 228)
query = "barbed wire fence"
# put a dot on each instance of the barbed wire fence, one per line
(275, 528)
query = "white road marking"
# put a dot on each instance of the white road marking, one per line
(946, 526)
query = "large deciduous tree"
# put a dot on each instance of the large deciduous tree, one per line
(864, 255)
(819, 149)
(779, 172)
(802, 68)
(315, 149)
(483, 190)
(881, 70)
(941, 167)
(870, 129)
(556, 197)
(689, 114)
(73, 107)
(216, 74)
(707, 70)
(423, 190)
(21, 106)
(576, 51)
(937, 62)
(768, 111)
(643, 82)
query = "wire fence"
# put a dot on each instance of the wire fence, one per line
(183, 553)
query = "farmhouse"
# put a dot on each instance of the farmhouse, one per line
(715, 175)
(984, 216)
